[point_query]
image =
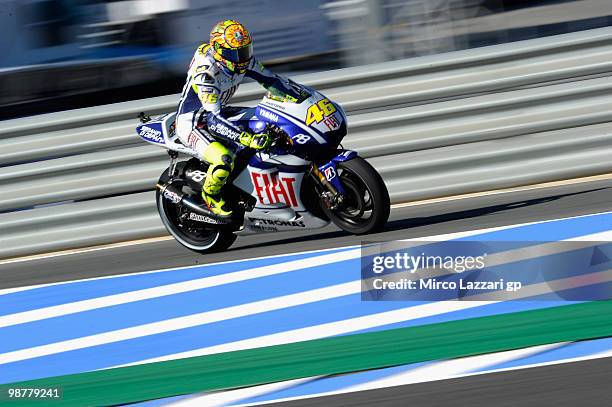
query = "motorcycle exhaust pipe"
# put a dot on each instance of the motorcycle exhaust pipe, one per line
(176, 196)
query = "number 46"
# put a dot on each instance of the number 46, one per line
(319, 110)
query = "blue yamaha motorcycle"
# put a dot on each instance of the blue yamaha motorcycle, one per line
(304, 180)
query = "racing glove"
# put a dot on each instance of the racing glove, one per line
(255, 141)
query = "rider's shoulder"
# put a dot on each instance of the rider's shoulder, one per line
(204, 63)
(210, 70)
(203, 49)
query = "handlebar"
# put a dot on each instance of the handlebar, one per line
(281, 138)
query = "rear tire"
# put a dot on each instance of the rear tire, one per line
(201, 240)
(366, 207)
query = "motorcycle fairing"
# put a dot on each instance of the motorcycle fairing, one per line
(161, 131)
(276, 183)
(158, 131)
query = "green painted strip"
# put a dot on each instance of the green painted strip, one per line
(333, 355)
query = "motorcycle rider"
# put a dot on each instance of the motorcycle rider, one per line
(216, 70)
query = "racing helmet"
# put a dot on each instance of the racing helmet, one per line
(232, 45)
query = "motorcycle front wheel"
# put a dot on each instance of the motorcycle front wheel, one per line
(366, 204)
(198, 239)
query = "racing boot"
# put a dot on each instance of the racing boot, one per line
(216, 204)
(221, 164)
(215, 179)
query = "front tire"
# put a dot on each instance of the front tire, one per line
(366, 206)
(200, 240)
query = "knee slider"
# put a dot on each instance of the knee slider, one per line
(217, 154)
(220, 173)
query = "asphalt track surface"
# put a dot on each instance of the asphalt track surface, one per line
(573, 384)
(407, 222)
(578, 383)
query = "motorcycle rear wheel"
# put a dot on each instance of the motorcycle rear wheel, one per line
(200, 240)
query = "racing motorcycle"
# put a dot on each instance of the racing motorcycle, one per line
(304, 180)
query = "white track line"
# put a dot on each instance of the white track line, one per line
(429, 372)
(442, 237)
(443, 376)
(175, 288)
(224, 398)
(206, 282)
(446, 236)
(314, 332)
(243, 275)
(453, 367)
(375, 320)
(173, 324)
(169, 269)
(327, 329)
(228, 313)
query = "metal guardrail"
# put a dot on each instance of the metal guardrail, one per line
(560, 57)
(468, 121)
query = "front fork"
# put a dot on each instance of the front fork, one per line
(326, 176)
(331, 196)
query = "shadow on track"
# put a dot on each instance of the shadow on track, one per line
(426, 220)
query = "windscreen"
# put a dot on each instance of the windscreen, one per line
(298, 95)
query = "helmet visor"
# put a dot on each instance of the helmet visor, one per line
(239, 56)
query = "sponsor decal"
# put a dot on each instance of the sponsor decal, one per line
(269, 115)
(278, 222)
(264, 228)
(225, 131)
(227, 94)
(201, 218)
(332, 122)
(151, 134)
(192, 140)
(172, 196)
(272, 189)
(274, 105)
(330, 173)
